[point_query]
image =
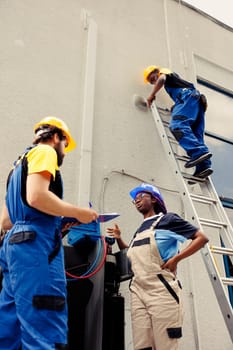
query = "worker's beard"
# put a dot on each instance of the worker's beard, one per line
(60, 156)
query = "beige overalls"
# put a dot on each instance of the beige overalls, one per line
(156, 305)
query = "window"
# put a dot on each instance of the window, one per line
(219, 121)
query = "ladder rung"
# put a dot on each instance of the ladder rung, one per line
(228, 281)
(164, 110)
(212, 223)
(221, 250)
(203, 199)
(165, 122)
(192, 179)
(172, 140)
(184, 158)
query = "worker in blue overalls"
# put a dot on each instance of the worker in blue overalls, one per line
(188, 116)
(33, 311)
(156, 298)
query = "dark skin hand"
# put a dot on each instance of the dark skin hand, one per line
(198, 241)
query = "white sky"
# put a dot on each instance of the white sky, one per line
(219, 9)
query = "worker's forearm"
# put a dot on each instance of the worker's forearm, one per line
(121, 243)
(6, 224)
(49, 203)
(5, 221)
(195, 245)
(41, 198)
(158, 85)
(154, 91)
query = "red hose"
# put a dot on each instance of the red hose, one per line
(97, 269)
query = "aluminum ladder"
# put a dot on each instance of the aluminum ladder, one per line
(216, 218)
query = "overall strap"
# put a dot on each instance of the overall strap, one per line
(57, 246)
(152, 227)
(157, 220)
(20, 158)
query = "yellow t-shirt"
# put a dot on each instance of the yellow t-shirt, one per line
(42, 158)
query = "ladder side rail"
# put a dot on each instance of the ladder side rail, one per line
(226, 233)
(187, 198)
(219, 289)
(227, 236)
(222, 211)
(192, 216)
(183, 189)
(166, 112)
(210, 189)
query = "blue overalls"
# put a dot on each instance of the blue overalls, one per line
(33, 311)
(188, 122)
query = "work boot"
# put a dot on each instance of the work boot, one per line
(193, 162)
(203, 174)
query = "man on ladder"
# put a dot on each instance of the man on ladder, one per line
(188, 113)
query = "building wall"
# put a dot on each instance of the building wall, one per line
(83, 61)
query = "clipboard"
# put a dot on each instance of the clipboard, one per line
(102, 218)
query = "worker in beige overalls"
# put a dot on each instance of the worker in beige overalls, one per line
(156, 302)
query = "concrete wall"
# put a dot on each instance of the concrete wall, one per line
(82, 61)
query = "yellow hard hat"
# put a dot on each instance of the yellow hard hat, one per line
(58, 123)
(147, 71)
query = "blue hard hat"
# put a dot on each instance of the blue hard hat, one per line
(153, 190)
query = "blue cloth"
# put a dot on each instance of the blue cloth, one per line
(168, 243)
(28, 274)
(188, 117)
